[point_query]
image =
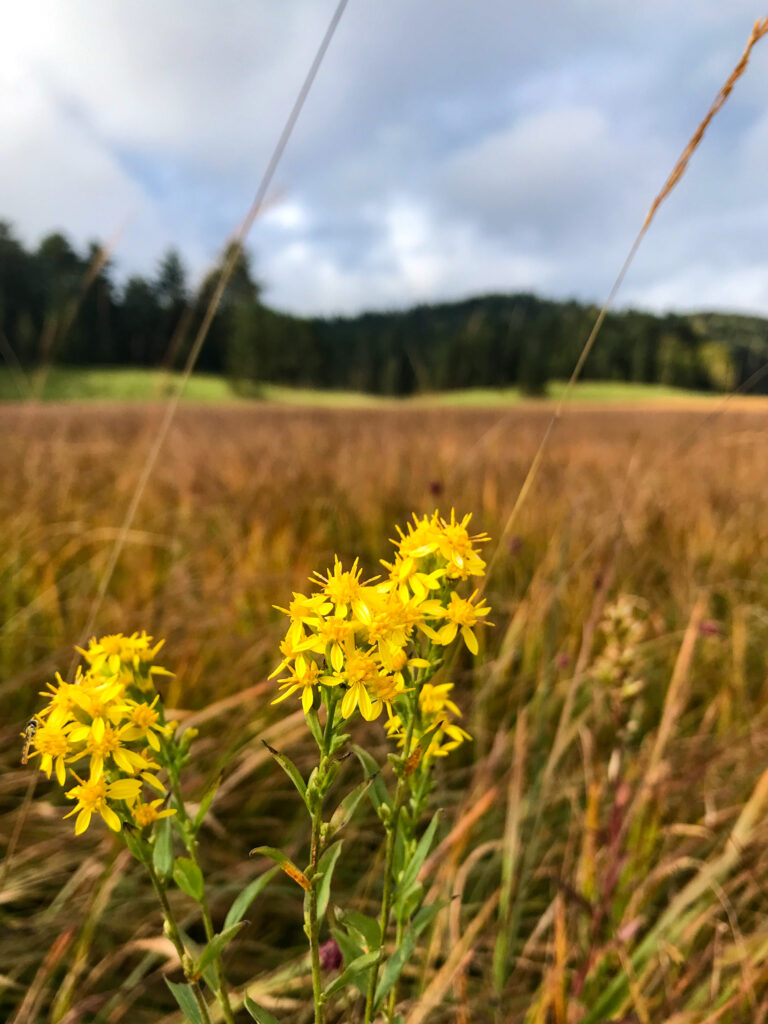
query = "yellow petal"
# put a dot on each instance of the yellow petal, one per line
(98, 729)
(111, 818)
(348, 703)
(61, 771)
(306, 699)
(337, 658)
(364, 700)
(82, 822)
(469, 639)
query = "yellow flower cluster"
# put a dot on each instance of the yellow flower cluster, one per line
(361, 637)
(435, 721)
(104, 716)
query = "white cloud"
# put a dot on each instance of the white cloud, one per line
(445, 148)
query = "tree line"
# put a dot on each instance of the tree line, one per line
(64, 306)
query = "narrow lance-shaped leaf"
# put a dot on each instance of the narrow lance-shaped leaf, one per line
(259, 1014)
(185, 997)
(244, 899)
(343, 813)
(378, 790)
(189, 878)
(394, 966)
(290, 770)
(217, 945)
(285, 863)
(162, 854)
(413, 866)
(325, 866)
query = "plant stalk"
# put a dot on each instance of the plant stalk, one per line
(175, 937)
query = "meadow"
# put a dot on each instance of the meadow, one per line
(601, 858)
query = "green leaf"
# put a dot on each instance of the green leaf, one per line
(350, 946)
(325, 867)
(394, 966)
(205, 804)
(413, 867)
(217, 945)
(189, 878)
(315, 728)
(426, 915)
(366, 927)
(343, 813)
(185, 998)
(285, 863)
(358, 965)
(259, 1014)
(196, 951)
(290, 770)
(378, 791)
(245, 898)
(162, 854)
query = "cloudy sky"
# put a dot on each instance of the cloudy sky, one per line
(448, 148)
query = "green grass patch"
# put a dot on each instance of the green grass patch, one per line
(129, 384)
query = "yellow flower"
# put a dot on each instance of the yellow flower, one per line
(421, 539)
(61, 695)
(52, 744)
(462, 615)
(102, 740)
(333, 632)
(127, 658)
(306, 609)
(294, 647)
(456, 546)
(306, 683)
(144, 723)
(440, 746)
(345, 590)
(147, 814)
(360, 672)
(406, 577)
(92, 797)
(434, 700)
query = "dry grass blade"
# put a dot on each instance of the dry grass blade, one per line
(443, 980)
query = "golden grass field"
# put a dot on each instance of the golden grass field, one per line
(637, 895)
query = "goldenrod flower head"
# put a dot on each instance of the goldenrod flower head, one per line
(306, 682)
(457, 547)
(462, 614)
(99, 718)
(434, 700)
(375, 642)
(345, 590)
(53, 746)
(92, 798)
(306, 609)
(126, 658)
(360, 672)
(145, 815)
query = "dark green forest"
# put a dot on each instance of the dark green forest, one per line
(58, 305)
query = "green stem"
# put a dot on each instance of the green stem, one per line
(175, 937)
(419, 793)
(185, 829)
(386, 896)
(312, 923)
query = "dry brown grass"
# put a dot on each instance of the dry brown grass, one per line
(244, 504)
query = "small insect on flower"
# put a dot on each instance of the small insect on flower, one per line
(30, 731)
